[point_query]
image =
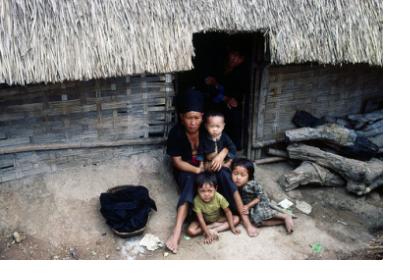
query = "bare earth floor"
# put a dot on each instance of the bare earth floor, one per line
(57, 215)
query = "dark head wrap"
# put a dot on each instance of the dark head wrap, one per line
(191, 101)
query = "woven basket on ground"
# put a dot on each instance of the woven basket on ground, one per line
(119, 233)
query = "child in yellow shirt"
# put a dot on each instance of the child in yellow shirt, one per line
(208, 206)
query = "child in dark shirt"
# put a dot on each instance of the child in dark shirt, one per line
(216, 140)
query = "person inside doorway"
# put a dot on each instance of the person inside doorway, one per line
(226, 86)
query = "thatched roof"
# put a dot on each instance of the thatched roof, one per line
(53, 40)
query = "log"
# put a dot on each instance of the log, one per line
(337, 120)
(361, 177)
(310, 173)
(269, 160)
(372, 129)
(359, 120)
(361, 188)
(328, 132)
(81, 145)
(332, 134)
(378, 140)
(303, 119)
(278, 153)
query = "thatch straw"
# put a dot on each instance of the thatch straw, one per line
(52, 40)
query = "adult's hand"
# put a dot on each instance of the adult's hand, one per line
(232, 103)
(211, 81)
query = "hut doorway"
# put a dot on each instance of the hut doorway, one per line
(212, 51)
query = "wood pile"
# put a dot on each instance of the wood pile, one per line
(335, 152)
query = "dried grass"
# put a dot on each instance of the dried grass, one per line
(52, 40)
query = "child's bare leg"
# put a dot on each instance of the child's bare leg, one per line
(272, 222)
(279, 220)
(222, 224)
(219, 225)
(194, 229)
(250, 229)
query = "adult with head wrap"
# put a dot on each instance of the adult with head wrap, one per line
(183, 148)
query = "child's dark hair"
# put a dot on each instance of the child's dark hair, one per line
(214, 114)
(246, 163)
(206, 178)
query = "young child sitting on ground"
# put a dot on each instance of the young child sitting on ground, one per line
(255, 201)
(208, 206)
(215, 141)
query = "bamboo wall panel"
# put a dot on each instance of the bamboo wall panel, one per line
(97, 111)
(320, 90)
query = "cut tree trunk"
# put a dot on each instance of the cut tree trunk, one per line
(360, 120)
(350, 143)
(362, 177)
(329, 132)
(372, 129)
(310, 173)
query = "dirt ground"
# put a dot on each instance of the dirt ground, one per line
(57, 216)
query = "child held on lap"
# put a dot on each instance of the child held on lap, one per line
(215, 141)
(208, 206)
(256, 202)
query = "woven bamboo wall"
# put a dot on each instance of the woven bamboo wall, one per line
(93, 113)
(320, 90)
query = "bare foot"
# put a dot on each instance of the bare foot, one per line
(289, 224)
(252, 231)
(214, 233)
(172, 243)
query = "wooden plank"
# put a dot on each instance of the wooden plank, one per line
(269, 160)
(14, 141)
(58, 146)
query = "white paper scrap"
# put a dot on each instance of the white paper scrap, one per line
(304, 207)
(151, 242)
(285, 204)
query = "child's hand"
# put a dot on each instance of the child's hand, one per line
(235, 231)
(208, 239)
(245, 210)
(212, 236)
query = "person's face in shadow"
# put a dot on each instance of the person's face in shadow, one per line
(191, 121)
(235, 59)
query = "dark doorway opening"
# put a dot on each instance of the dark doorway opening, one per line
(213, 53)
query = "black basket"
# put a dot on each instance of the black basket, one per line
(119, 233)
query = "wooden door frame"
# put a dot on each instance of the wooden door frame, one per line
(256, 99)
